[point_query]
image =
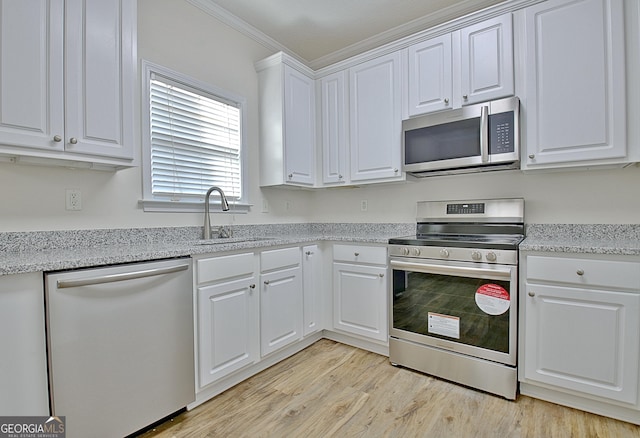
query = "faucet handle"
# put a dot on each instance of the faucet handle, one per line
(224, 232)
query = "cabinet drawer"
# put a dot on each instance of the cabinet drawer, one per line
(279, 258)
(219, 268)
(360, 254)
(586, 272)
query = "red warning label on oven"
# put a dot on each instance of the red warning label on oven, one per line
(493, 299)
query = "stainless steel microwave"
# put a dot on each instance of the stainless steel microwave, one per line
(473, 138)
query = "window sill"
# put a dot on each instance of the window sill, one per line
(191, 206)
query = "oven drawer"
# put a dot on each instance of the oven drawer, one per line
(584, 271)
(360, 254)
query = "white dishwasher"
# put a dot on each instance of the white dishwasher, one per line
(120, 345)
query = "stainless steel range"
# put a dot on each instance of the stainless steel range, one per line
(453, 309)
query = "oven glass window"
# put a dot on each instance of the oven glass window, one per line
(443, 142)
(459, 309)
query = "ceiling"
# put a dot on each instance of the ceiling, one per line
(321, 32)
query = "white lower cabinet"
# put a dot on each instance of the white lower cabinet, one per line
(360, 291)
(281, 299)
(228, 315)
(312, 288)
(580, 328)
(23, 357)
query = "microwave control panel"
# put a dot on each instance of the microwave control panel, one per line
(501, 132)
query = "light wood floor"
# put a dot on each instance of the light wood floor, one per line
(334, 390)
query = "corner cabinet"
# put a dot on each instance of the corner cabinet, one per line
(574, 84)
(334, 128)
(579, 331)
(228, 314)
(287, 122)
(360, 291)
(67, 91)
(375, 119)
(313, 289)
(468, 66)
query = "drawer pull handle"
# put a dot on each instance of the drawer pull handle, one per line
(308, 253)
(356, 254)
(532, 294)
(580, 272)
(252, 286)
(381, 275)
(266, 282)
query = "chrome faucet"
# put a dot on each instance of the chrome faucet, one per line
(206, 233)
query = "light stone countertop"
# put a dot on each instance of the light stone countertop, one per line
(61, 250)
(22, 252)
(611, 239)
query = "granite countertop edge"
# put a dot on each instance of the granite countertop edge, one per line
(605, 239)
(48, 260)
(54, 251)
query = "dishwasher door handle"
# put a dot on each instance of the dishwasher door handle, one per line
(62, 284)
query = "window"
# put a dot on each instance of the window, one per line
(192, 140)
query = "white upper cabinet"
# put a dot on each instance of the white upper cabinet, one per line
(486, 62)
(287, 122)
(430, 76)
(67, 72)
(574, 83)
(299, 134)
(334, 129)
(100, 61)
(375, 119)
(31, 74)
(472, 65)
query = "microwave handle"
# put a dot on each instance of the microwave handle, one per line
(484, 133)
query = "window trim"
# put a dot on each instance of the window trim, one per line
(156, 204)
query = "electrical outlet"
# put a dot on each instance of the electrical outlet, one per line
(364, 205)
(73, 199)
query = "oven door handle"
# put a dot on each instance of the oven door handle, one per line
(451, 270)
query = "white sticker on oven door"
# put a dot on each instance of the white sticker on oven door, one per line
(445, 325)
(493, 299)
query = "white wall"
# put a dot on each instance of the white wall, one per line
(176, 34)
(589, 196)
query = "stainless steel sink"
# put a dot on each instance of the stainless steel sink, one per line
(227, 240)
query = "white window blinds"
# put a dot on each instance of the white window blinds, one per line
(195, 141)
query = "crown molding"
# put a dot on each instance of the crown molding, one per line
(432, 25)
(243, 27)
(419, 24)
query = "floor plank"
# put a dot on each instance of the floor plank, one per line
(334, 390)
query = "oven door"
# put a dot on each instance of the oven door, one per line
(469, 308)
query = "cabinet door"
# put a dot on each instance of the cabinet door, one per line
(486, 63)
(334, 129)
(583, 340)
(360, 300)
(23, 356)
(430, 76)
(228, 328)
(280, 308)
(100, 61)
(31, 74)
(312, 289)
(375, 119)
(299, 127)
(574, 82)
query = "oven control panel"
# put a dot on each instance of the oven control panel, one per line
(493, 256)
(475, 208)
